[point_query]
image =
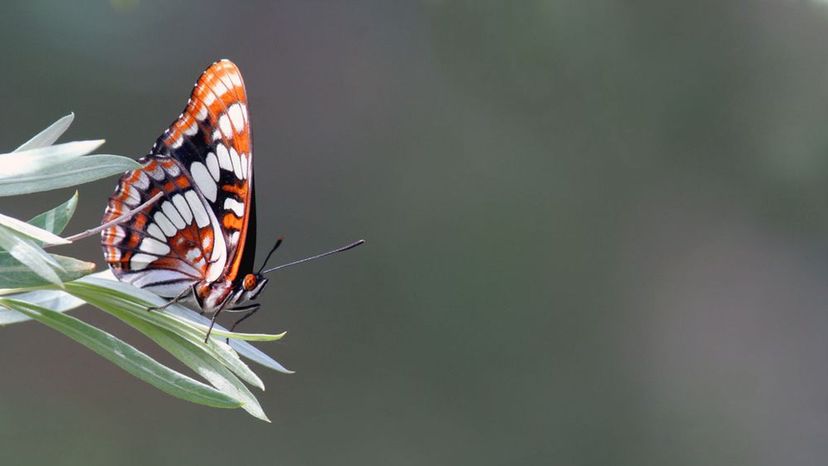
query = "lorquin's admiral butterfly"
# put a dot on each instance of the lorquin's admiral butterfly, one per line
(196, 243)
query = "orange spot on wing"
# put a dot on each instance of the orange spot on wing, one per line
(231, 222)
(239, 190)
(139, 221)
(207, 240)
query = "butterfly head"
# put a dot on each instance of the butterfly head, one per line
(252, 285)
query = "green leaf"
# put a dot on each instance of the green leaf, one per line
(55, 300)
(14, 274)
(144, 298)
(31, 231)
(76, 171)
(196, 357)
(48, 136)
(126, 356)
(118, 298)
(256, 355)
(27, 252)
(55, 220)
(241, 346)
(221, 332)
(31, 162)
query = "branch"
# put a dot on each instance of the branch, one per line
(125, 217)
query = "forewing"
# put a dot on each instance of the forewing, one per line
(198, 230)
(212, 141)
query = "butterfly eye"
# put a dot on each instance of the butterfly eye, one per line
(249, 282)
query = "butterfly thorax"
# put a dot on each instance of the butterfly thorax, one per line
(213, 296)
(225, 294)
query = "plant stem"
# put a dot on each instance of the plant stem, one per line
(125, 217)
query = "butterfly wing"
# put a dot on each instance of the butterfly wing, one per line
(202, 228)
(213, 140)
(169, 245)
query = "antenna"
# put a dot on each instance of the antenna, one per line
(318, 256)
(272, 250)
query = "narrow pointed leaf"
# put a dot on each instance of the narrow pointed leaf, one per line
(107, 296)
(49, 135)
(77, 171)
(31, 231)
(31, 162)
(242, 347)
(56, 300)
(27, 252)
(126, 357)
(219, 331)
(55, 220)
(184, 316)
(256, 355)
(194, 356)
(14, 274)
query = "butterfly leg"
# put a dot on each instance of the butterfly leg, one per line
(184, 293)
(215, 316)
(249, 311)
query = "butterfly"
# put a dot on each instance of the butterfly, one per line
(196, 243)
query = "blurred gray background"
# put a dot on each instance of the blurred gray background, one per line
(597, 231)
